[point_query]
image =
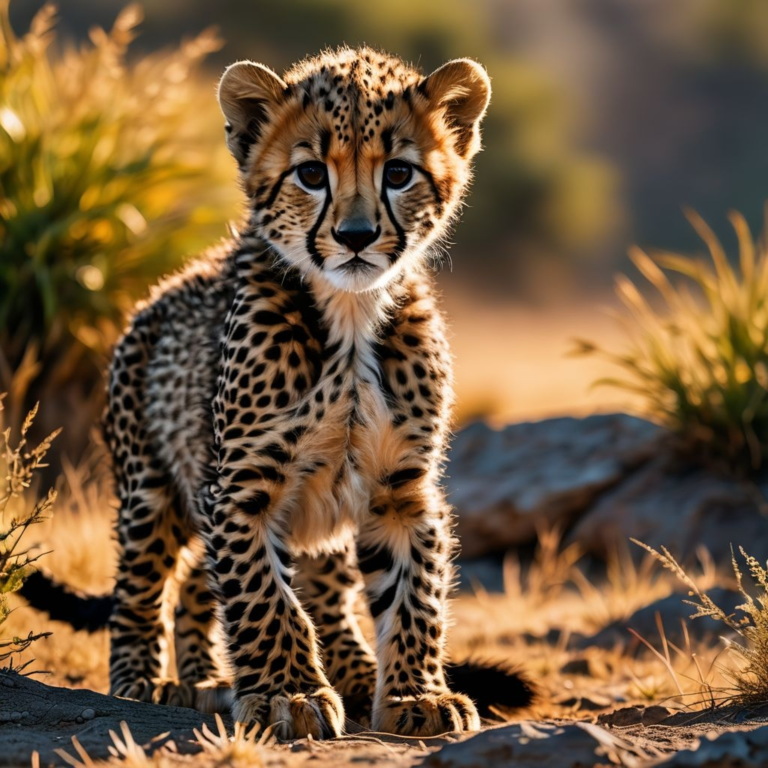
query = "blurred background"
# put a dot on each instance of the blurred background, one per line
(606, 117)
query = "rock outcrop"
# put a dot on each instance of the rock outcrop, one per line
(603, 479)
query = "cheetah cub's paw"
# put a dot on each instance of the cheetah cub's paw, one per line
(427, 715)
(319, 714)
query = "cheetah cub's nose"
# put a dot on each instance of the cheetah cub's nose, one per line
(357, 234)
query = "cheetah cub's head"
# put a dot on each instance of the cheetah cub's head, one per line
(354, 163)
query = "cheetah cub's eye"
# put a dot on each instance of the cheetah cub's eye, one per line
(312, 175)
(397, 174)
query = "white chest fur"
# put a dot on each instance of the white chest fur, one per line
(353, 437)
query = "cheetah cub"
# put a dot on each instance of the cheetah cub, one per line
(279, 411)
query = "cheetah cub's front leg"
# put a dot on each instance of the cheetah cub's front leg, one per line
(329, 586)
(406, 557)
(278, 675)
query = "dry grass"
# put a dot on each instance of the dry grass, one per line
(21, 507)
(750, 625)
(553, 591)
(79, 550)
(244, 749)
(545, 604)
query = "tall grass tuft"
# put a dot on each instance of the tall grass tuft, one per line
(19, 465)
(700, 359)
(111, 172)
(751, 627)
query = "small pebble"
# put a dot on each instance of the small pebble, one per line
(15, 716)
(88, 714)
(622, 717)
(655, 714)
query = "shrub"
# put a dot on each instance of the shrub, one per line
(700, 362)
(110, 173)
(18, 467)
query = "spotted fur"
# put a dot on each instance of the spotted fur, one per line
(278, 413)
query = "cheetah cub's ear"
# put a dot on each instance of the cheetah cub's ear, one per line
(462, 89)
(248, 93)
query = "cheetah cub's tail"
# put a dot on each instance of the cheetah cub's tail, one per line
(488, 684)
(61, 603)
(492, 684)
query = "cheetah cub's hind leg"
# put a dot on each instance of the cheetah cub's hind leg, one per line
(139, 631)
(329, 586)
(195, 638)
(149, 529)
